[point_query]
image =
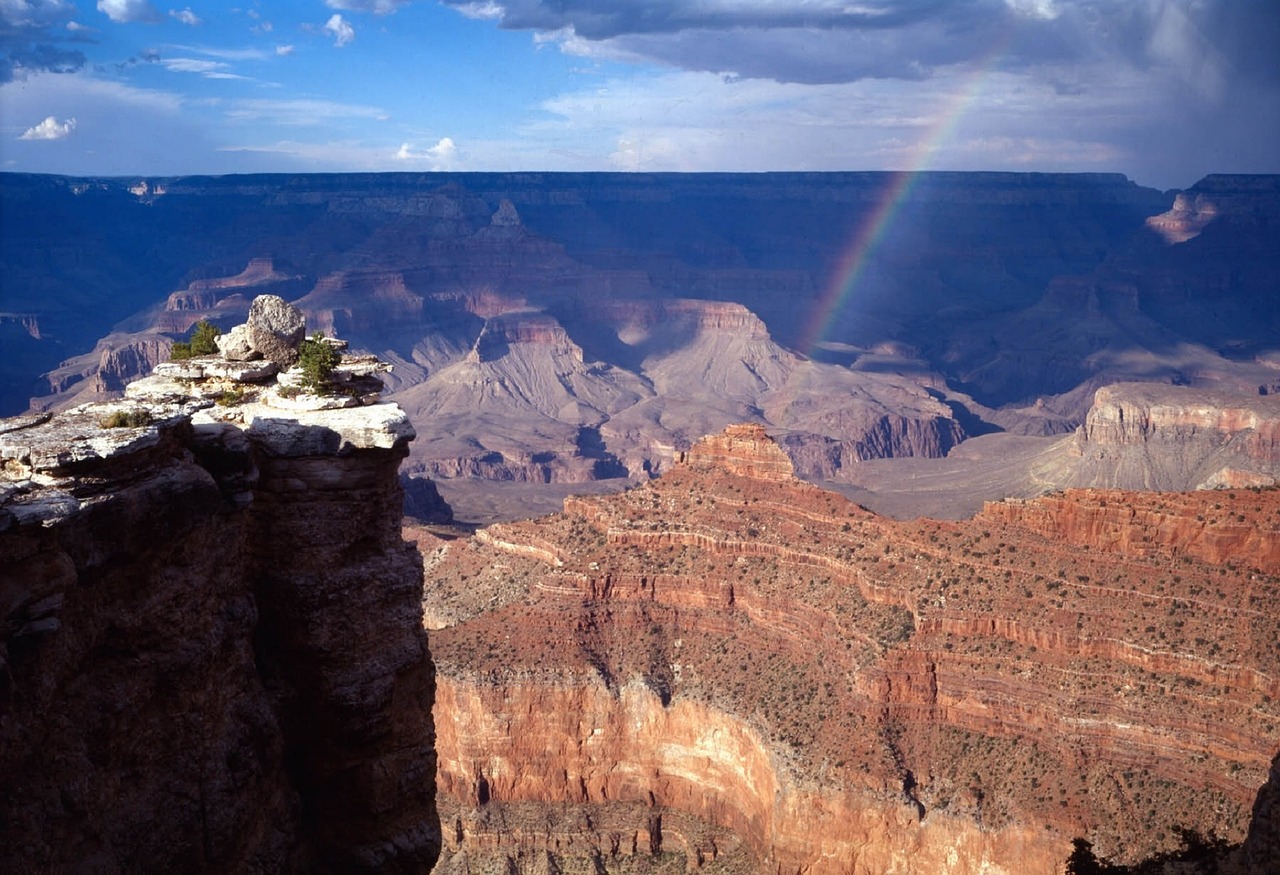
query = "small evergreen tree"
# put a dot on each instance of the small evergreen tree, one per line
(204, 341)
(317, 360)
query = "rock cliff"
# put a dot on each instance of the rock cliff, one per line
(730, 647)
(211, 655)
(1150, 436)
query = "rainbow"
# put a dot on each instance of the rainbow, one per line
(897, 189)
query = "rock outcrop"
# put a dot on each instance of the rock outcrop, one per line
(275, 328)
(1151, 436)
(743, 451)
(844, 693)
(211, 655)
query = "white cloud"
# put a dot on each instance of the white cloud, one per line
(125, 11)
(343, 32)
(377, 7)
(120, 130)
(1045, 10)
(300, 113)
(50, 129)
(32, 13)
(207, 69)
(226, 54)
(284, 50)
(483, 9)
(442, 156)
(77, 27)
(186, 16)
(192, 65)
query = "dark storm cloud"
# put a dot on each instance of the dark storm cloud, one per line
(836, 41)
(30, 31)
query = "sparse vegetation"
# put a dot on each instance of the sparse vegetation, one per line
(204, 341)
(126, 419)
(231, 397)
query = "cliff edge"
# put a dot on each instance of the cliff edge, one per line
(211, 654)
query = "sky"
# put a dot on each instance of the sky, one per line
(1164, 91)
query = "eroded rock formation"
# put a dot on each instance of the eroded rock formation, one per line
(211, 654)
(1150, 436)
(844, 693)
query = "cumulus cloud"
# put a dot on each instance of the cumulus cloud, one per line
(341, 31)
(442, 156)
(125, 11)
(284, 50)
(186, 16)
(50, 129)
(377, 7)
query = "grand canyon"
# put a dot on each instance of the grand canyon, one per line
(758, 523)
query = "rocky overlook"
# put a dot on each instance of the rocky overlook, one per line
(735, 670)
(211, 657)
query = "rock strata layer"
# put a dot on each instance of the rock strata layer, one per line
(845, 693)
(1151, 436)
(211, 655)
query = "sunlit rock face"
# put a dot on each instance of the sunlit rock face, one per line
(790, 683)
(211, 652)
(1148, 436)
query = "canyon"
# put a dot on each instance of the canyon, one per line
(913, 606)
(558, 329)
(738, 670)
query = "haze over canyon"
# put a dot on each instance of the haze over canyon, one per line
(560, 328)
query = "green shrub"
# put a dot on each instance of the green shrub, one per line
(126, 419)
(204, 341)
(231, 397)
(317, 360)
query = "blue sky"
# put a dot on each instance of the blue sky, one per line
(1162, 90)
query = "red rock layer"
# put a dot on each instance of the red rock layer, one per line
(847, 693)
(742, 450)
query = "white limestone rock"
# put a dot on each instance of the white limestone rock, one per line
(306, 401)
(242, 371)
(276, 329)
(189, 369)
(326, 432)
(235, 346)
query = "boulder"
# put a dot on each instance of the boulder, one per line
(276, 329)
(235, 345)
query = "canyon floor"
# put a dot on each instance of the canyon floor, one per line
(750, 673)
